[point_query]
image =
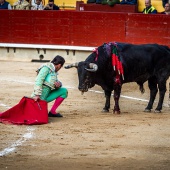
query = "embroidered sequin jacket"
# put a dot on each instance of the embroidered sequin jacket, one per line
(46, 76)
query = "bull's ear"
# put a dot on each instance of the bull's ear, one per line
(71, 65)
(93, 67)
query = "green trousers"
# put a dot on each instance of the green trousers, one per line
(49, 95)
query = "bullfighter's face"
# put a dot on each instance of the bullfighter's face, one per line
(86, 76)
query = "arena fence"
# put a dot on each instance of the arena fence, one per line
(82, 28)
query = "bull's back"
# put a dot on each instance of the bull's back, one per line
(143, 61)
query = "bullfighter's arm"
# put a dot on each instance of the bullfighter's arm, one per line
(40, 80)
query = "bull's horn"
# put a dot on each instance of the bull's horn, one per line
(93, 67)
(71, 65)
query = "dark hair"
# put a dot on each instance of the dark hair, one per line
(51, 1)
(58, 60)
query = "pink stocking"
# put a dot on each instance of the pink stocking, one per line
(57, 102)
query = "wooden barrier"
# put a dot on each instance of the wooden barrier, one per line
(76, 28)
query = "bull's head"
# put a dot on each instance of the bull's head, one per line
(86, 74)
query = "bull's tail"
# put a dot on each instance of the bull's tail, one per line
(141, 88)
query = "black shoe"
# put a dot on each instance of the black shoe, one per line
(54, 115)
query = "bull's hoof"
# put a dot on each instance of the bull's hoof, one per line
(147, 110)
(157, 111)
(105, 110)
(116, 112)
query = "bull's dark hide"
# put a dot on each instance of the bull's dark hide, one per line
(141, 63)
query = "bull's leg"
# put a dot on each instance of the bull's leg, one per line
(162, 90)
(117, 91)
(107, 103)
(152, 84)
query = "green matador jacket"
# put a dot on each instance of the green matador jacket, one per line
(46, 77)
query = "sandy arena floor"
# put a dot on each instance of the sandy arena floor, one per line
(85, 138)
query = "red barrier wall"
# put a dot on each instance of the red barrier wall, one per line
(82, 28)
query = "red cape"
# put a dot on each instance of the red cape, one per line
(26, 112)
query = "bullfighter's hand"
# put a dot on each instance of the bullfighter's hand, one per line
(57, 84)
(36, 98)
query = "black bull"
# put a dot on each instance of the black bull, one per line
(141, 63)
